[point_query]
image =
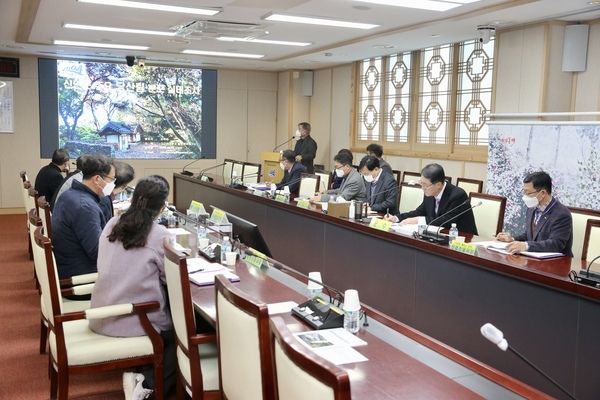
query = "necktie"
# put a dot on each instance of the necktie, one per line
(536, 217)
(437, 205)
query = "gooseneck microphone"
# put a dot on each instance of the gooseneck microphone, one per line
(338, 295)
(444, 239)
(495, 335)
(284, 143)
(201, 174)
(588, 277)
(238, 183)
(188, 173)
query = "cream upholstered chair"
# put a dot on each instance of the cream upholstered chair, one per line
(410, 197)
(197, 363)
(45, 215)
(227, 169)
(470, 185)
(300, 373)
(397, 176)
(591, 241)
(76, 349)
(245, 364)
(580, 219)
(309, 185)
(251, 173)
(68, 305)
(237, 169)
(325, 178)
(489, 216)
(408, 176)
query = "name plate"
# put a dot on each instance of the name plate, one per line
(304, 204)
(255, 261)
(380, 224)
(280, 198)
(197, 208)
(463, 247)
(218, 216)
(258, 193)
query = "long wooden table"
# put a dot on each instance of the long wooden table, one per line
(442, 293)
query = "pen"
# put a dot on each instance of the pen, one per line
(196, 270)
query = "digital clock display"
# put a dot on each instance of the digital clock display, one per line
(9, 67)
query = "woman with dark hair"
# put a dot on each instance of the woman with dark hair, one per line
(131, 270)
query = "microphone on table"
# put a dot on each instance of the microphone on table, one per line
(587, 278)
(188, 173)
(237, 182)
(208, 178)
(444, 239)
(284, 143)
(494, 335)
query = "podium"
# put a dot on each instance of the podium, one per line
(272, 170)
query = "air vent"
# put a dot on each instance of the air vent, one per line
(206, 29)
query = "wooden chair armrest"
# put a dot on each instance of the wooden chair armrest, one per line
(203, 338)
(79, 279)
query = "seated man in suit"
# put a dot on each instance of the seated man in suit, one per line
(50, 177)
(381, 187)
(376, 150)
(549, 225)
(293, 171)
(352, 187)
(442, 203)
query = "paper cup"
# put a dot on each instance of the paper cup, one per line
(351, 302)
(203, 243)
(230, 257)
(317, 277)
(324, 206)
(460, 238)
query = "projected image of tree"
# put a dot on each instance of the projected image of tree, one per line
(130, 112)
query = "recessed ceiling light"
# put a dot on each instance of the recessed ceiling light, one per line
(155, 7)
(430, 5)
(102, 53)
(305, 19)
(102, 45)
(593, 3)
(383, 46)
(120, 30)
(361, 8)
(222, 54)
(265, 41)
(435, 35)
(12, 46)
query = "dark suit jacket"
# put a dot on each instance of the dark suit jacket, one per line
(554, 230)
(384, 165)
(452, 197)
(307, 148)
(385, 194)
(293, 175)
(48, 180)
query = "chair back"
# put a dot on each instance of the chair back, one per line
(300, 373)
(470, 185)
(397, 176)
(410, 197)
(408, 176)
(580, 219)
(309, 185)
(489, 216)
(45, 215)
(251, 173)
(228, 168)
(325, 177)
(237, 169)
(449, 179)
(47, 275)
(245, 364)
(24, 185)
(30, 194)
(591, 241)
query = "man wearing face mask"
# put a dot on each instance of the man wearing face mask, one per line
(293, 171)
(549, 225)
(305, 150)
(381, 187)
(78, 220)
(352, 186)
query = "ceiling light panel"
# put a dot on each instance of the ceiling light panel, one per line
(100, 45)
(264, 41)
(429, 5)
(154, 7)
(311, 20)
(120, 30)
(222, 54)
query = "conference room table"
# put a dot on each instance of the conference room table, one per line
(388, 374)
(441, 293)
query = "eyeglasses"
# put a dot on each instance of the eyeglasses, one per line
(339, 166)
(112, 178)
(424, 185)
(530, 193)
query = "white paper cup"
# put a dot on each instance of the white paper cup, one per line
(317, 277)
(230, 257)
(324, 206)
(351, 302)
(460, 238)
(203, 243)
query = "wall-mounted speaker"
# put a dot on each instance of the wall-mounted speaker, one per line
(307, 83)
(575, 48)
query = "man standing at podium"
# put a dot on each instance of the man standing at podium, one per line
(306, 148)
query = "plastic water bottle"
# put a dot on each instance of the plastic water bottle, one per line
(453, 234)
(351, 320)
(225, 248)
(172, 221)
(351, 210)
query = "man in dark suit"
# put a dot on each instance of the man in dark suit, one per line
(549, 224)
(50, 177)
(376, 150)
(293, 171)
(442, 201)
(306, 148)
(381, 187)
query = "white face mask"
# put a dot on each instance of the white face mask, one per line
(297, 135)
(530, 202)
(107, 190)
(282, 165)
(369, 178)
(339, 173)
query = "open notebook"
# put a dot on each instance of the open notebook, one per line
(500, 247)
(202, 272)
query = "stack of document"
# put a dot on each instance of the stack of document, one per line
(334, 345)
(500, 247)
(202, 272)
